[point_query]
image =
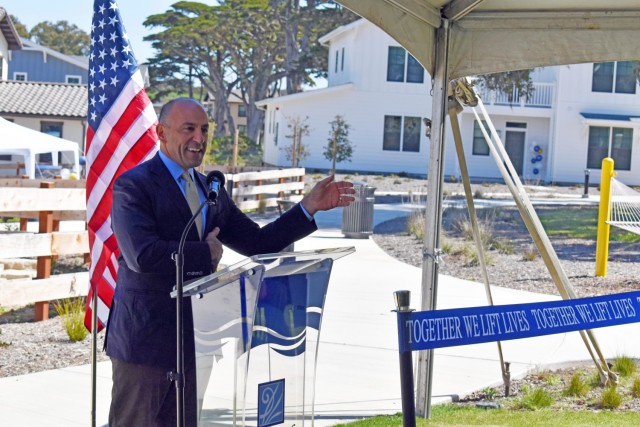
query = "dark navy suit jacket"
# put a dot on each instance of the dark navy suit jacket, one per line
(148, 216)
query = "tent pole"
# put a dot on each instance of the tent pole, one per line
(433, 219)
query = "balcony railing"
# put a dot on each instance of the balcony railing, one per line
(541, 97)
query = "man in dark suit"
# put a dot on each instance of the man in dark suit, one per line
(150, 211)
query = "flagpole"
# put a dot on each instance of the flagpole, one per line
(94, 351)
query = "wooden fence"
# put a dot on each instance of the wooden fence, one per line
(51, 202)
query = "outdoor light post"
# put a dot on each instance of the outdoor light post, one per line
(586, 184)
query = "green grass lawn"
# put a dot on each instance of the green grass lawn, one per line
(579, 222)
(455, 415)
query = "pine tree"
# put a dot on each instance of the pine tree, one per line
(339, 148)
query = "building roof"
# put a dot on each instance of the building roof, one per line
(78, 61)
(326, 39)
(43, 99)
(619, 117)
(8, 30)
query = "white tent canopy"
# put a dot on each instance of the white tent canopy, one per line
(490, 36)
(28, 143)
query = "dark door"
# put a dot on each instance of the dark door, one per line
(514, 144)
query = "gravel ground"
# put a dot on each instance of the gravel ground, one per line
(27, 347)
(523, 269)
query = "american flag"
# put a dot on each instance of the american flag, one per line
(121, 134)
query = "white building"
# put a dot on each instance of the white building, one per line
(577, 115)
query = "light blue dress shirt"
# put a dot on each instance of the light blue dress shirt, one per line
(176, 172)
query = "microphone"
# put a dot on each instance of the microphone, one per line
(215, 182)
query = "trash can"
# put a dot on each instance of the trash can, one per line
(357, 218)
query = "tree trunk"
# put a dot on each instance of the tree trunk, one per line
(334, 155)
(294, 147)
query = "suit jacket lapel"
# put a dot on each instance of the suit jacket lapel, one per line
(166, 186)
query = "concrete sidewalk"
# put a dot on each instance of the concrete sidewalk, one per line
(358, 374)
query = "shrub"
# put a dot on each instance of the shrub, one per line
(485, 229)
(447, 245)
(577, 386)
(635, 388)
(415, 225)
(529, 255)
(550, 378)
(489, 393)
(71, 311)
(503, 246)
(533, 399)
(472, 258)
(610, 398)
(625, 366)
(594, 379)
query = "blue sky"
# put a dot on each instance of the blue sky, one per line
(78, 12)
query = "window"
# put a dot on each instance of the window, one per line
(609, 142)
(391, 138)
(51, 128)
(517, 125)
(275, 139)
(242, 110)
(75, 80)
(19, 76)
(625, 78)
(397, 130)
(415, 72)
(480, 146)
(396, 61)
(342, 61)
(411, 134)
(615, 77)
(242, 129)
(335, 68)
(395, 64)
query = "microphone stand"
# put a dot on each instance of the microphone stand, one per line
(178, 376)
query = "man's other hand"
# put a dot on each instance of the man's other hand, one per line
(215, 247)
(328, 194)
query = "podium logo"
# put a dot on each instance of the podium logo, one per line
(271, 403)
(285, 310)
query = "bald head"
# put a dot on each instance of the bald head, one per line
(167, 108)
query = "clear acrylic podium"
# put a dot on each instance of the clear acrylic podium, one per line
(257, 328)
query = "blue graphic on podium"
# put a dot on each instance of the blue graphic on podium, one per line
(271, 403)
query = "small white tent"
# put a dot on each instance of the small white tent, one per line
(17, 140)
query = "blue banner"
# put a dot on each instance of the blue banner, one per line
(426, 330)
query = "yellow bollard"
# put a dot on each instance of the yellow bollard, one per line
(604, 213)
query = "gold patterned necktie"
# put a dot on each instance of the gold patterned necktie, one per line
(192, 198)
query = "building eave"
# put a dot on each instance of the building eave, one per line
(307, 94)
(9, 30)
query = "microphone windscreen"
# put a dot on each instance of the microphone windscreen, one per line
(215, 175)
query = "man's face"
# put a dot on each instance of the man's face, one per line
(184, 134)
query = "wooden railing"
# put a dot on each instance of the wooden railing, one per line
(51, 202)
(262, 190)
